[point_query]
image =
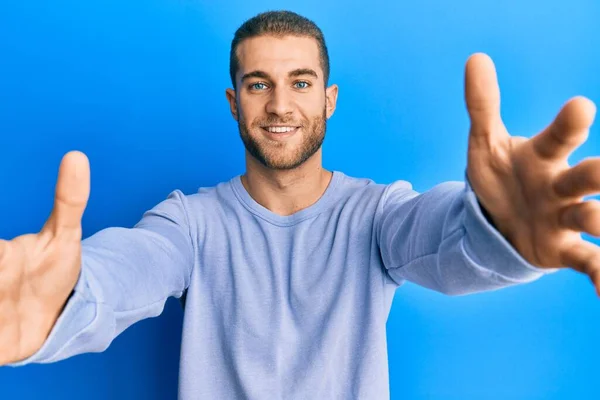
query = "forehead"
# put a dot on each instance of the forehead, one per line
(278, 55)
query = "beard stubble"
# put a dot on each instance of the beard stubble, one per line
(278, 155)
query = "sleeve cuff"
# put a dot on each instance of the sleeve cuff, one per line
(78, 316)
(490, 249)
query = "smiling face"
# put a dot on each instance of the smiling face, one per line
(281, 103)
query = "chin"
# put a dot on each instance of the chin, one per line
(280, 156)
(282, 165)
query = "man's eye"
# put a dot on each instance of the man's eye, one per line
(257, 86)
(302, 85)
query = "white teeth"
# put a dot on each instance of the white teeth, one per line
(280, 129)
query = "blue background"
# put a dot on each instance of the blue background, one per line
(139, 86)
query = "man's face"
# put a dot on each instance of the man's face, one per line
(281, 103)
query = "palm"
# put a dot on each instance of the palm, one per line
(39, 271)
(42, 273)
(535, 199)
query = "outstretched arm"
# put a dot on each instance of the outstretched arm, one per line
(520, 214)
(64, 296)
(441, 240)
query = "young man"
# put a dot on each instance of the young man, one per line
(289, 270)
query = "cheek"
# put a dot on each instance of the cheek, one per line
(312, 105)
(251, 101)
(250, 111)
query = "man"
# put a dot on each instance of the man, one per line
(289, 270)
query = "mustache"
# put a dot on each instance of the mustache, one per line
(274, 121)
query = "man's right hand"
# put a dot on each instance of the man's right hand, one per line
(39, 271)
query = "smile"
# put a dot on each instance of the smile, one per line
(280, 129)
(280, 132)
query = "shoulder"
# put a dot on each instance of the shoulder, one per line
(205, 198)
(210, 197)
(367, 187)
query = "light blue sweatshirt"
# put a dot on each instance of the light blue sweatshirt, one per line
(283, 307)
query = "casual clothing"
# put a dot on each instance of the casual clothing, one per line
(283, 307)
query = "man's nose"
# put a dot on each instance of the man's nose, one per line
(280, 102)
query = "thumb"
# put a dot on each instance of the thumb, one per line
(71, 194)
(482, 94)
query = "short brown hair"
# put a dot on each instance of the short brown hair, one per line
(278, 24)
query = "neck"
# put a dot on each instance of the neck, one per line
(285, 192)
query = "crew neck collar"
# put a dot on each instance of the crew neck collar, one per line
(284, 220)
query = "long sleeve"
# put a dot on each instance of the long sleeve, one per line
(127, 274)
(441, 240)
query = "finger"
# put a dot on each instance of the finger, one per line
(584, 257)
(581, 180)
(3, 247)
(482, 95)
(568, 130)
(582, 217)
(71, 194)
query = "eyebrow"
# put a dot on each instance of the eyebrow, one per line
(292, 74)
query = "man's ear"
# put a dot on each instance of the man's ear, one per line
(331, 94)
(230, 94)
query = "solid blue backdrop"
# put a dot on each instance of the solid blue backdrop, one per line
(139, 86)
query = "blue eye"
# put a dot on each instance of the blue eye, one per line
(256, 86)
(306, 85)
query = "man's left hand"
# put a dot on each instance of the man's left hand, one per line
(534, 198)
